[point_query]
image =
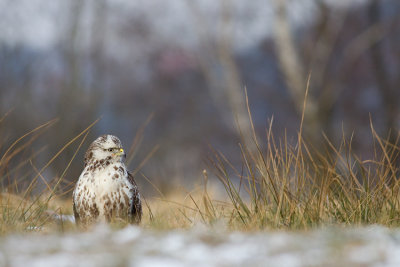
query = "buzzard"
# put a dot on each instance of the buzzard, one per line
(105, 189)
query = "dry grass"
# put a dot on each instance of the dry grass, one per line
(293, 185)
(280, 185)
(27, 200)
(298, 187)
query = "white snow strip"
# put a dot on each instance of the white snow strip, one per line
(135, 246)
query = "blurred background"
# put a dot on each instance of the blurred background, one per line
(185, 64)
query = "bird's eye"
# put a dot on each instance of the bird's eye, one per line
(110, 149)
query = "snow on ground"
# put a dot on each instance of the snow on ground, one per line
(134, 246)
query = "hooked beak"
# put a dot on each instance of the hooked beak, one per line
(121, 152)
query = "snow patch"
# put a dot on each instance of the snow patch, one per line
(135, 246)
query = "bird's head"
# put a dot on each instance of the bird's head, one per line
(105, 148)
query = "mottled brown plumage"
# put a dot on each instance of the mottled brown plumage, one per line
(106, 190)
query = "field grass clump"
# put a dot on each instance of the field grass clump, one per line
(298, 186)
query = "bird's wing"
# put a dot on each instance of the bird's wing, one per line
(136, 207)
(76, 214)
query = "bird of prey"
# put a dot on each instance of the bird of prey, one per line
(106, 190)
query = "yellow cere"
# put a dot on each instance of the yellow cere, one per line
(121, 150)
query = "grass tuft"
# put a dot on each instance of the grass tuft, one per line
(298, 186)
